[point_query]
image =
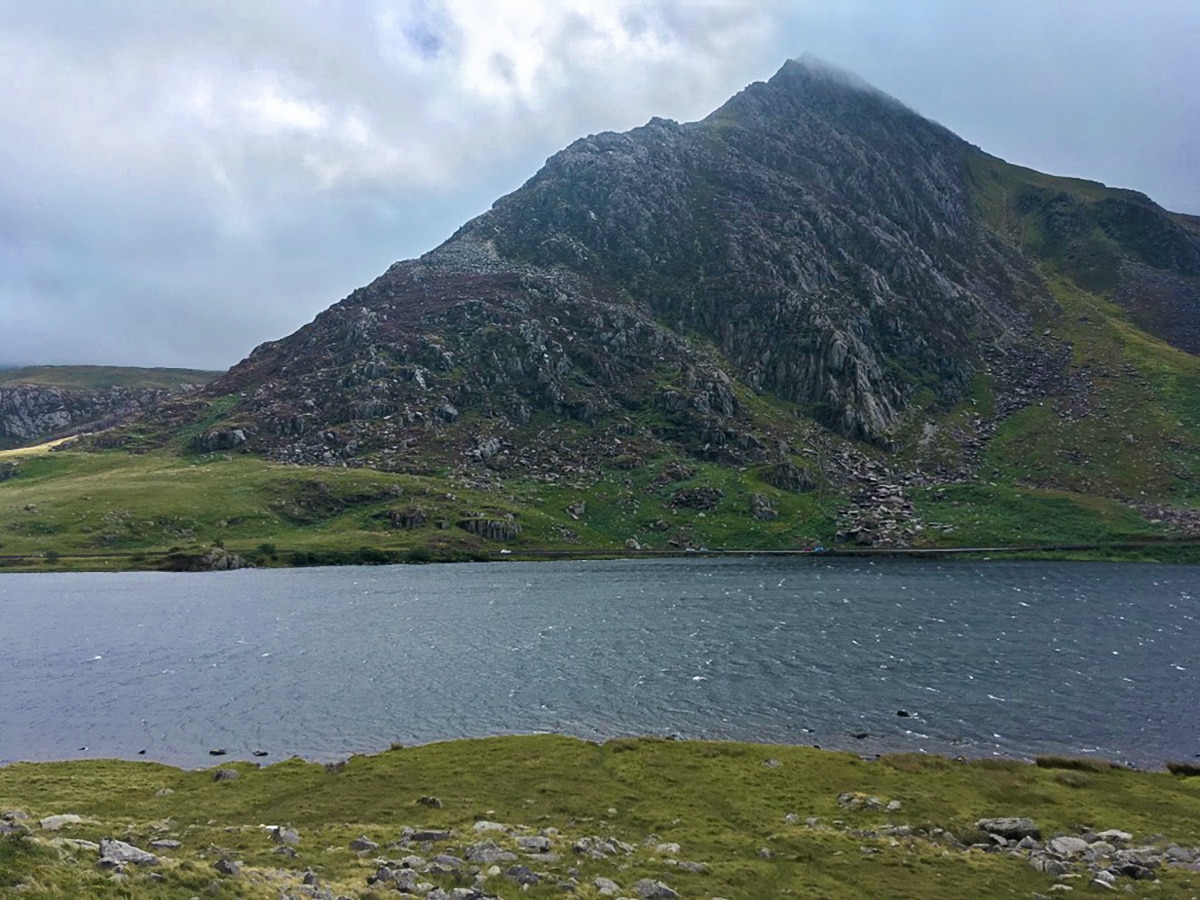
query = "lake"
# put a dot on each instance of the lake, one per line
(958, 657)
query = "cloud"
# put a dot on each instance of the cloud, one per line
(183, 181)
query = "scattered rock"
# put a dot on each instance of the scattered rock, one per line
(488, 852)
(363, 844)
(444, 863)
(229, 867)
(428, 835)
(1067, 846)
(226, 775)
(521, 875)
(483, 825)
(118, 853)
(762, 509)
(649, 889)
(1010, 827)
(54, 823)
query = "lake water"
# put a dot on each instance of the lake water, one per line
(1012, 658)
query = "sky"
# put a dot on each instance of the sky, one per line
(181, 181)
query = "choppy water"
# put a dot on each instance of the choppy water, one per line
(1016, 658)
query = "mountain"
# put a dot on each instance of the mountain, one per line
(813, 308)
(40, 403)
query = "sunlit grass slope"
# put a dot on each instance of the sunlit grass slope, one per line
(101, 377)
(762, 820)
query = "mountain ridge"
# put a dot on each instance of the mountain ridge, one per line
(813, 297)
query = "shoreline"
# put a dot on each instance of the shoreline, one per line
(873, 752)
(630, 817)
(1185, 551)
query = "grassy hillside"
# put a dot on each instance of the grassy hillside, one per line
(103, 377)
(115, 510)
(707, 819)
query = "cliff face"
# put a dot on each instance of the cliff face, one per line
(32, 413)
(816, 231)
(812, 263)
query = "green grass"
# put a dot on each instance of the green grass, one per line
(113, 510)
(101, 377)
(990, 515)
(719, 802)
(1139, 436)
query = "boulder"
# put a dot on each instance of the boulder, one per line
(230, 867)
(650, 889)
(484, 825)
(762, 509)
(487, 852)
(521, 875)
(1011, 827)
(430, 835)
(54, 823)
(118, 853)
(1066, 846)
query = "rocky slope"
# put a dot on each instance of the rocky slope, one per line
(42, 403)
(809, 276)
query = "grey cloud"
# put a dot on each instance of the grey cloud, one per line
(184, 181)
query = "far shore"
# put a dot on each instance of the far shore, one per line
(1183, 550)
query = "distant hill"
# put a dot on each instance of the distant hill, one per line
(38, 403)
(102, 377)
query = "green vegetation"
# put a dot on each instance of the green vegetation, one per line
(118, 510)
(764, 820)
(113, 510)
(101, 377)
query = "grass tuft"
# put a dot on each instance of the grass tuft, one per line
(1073, 762)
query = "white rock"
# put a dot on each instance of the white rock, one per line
(1066, 846)
(53, 823)
(484, 825)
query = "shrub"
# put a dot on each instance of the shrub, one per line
(1073, 762)
(1183, 768)
(1073, 779)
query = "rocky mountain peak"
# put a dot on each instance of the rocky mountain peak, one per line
(813, 243)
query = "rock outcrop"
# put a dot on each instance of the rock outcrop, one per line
(30, 414)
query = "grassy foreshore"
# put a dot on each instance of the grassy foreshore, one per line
(704, 819)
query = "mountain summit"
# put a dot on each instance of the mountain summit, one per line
(812, 284)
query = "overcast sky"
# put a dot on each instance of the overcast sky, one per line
(180, 181)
